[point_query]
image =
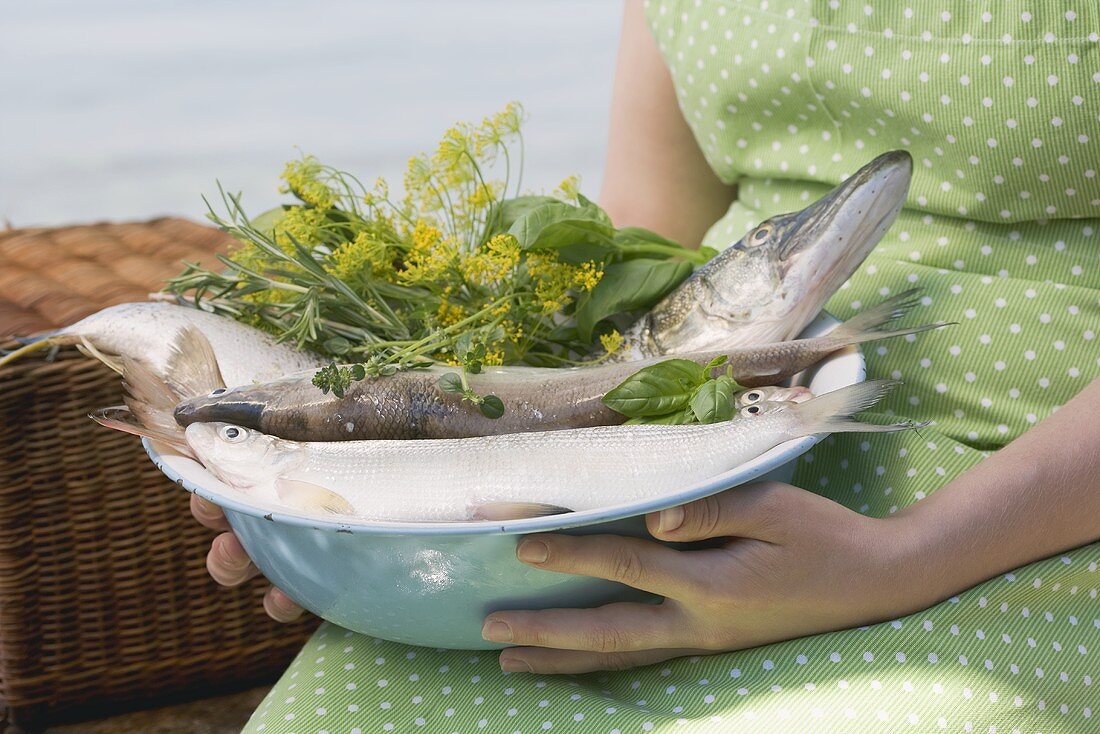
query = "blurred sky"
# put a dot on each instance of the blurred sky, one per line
(128, 109)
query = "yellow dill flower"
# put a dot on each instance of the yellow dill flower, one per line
(304, 224)
(381, 188)
(362, 256)
(611, 341)
(588, 275)
(482, 197)
(430, 256)
(493, 357)
(569, 188)
(509, 119)
(513, 330)
(453, 147)
(417, 173)
(449, 314)
(303, 180)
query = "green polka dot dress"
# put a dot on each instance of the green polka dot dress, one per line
(999, 103)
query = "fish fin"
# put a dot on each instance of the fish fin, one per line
(36, 344)
(833, 411)
(145, 386)
(120, 418)
(312, 497)
(514, 510)
(868, 325)
(192, 364)
(90, 350)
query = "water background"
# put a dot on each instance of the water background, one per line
(128, 109)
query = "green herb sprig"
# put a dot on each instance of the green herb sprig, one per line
(380, 283)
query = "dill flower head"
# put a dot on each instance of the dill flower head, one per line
(362, 256)
(611, 341)
(431, 257)
(303, 179)
(569, 189)
(587, 276)
(301, 223)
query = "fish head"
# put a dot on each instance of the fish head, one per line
(241, 457)
(241, 406)
(771, 283)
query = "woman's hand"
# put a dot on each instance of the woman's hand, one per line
(793, 564)
(229, 564)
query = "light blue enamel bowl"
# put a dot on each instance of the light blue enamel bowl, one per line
(432, 584)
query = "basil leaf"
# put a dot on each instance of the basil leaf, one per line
(679, 418)
(718, 361)
(628, 286)
(492, 407)
(656, 390)
(557, 224)
(508, 211)
(450, 382)
(641, 235)
(713, 400)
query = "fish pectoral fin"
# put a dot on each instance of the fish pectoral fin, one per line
(305, 495)
(514, 510)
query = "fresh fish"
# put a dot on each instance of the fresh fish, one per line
(513, 475)
(146, 331)
(411, 405)
(773, 282)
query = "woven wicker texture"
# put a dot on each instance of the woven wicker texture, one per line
(104, 595)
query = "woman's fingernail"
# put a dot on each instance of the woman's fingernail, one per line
(514, 665)
(232, 561)
(670, 519)
(497, 631)
(533, 551)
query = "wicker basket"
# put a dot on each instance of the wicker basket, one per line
(105, 602)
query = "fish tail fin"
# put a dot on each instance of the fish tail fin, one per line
(833, 412)
(151, 402)
(36, 344)
(869, 325)
(90, 350)
(121, 418)
(192, 365)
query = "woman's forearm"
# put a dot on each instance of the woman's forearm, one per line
(1038, 496)
(656, 176)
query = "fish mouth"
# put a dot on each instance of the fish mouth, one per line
(829, 239)
(850, 220)
(244, 413)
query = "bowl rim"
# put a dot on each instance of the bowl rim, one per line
(746, 472)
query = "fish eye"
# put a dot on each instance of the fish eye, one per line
(752, 397)
(218, 391)
(751, 410)
(762, 233)
(232, 434)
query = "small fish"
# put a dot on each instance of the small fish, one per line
(411, 405)
(514, 475)
(768, 286)
(146, 331)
